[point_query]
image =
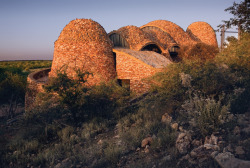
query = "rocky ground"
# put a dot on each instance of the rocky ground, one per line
(221, 149)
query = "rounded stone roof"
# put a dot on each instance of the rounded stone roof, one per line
(136, 38)
(83, 44)
(202, 31)
(163, 38)
(175, 31)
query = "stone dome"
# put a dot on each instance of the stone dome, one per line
(202, 31)
(84, 45)
(136, 38)
(175, 31)
(157, 34)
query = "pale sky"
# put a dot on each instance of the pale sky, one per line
(29, 28)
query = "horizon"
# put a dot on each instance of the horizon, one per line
(30, 28)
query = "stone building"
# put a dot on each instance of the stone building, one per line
(130, 54)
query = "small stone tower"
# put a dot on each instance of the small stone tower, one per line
(84, 45)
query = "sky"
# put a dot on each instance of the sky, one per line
(29, 28)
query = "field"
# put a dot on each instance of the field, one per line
(25, 65)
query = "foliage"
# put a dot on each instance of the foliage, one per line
(13, 76)
(202, 51)
(241, 15)
(25, 65)
(205, 113)
(12, 91)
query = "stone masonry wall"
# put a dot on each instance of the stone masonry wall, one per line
(204, 32)
(84, 45)
(35, 81)
(175, 31)
(128, 67)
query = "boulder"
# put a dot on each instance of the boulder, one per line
(227, 160)
(166, 118)
(183, 142)
(146, 141)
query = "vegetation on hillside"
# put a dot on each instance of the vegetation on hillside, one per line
(13, 77)
(104, 126)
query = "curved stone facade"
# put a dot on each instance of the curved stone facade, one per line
(130, 53)
(35, 81)
(84, 45)
(136, 38)
(175, 31)
(202, 31)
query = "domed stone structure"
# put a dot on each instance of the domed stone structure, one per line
(175, 31)
(130, 54)
(84, 45)
(134, 38)
(202, 31)
(157, 34)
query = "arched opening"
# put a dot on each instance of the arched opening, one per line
(173, 51)
(118, 40)
(152, 47)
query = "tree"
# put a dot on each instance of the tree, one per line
(241, 17)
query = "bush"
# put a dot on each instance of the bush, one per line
(205, 114)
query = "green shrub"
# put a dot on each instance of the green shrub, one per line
(66, 133)
(205, 113)
(202, 51)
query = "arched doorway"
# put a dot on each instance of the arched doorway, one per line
(152, 47)
(118, 40)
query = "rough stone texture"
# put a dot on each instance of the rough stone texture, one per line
(175, 31)
(83, 44)
(183, 142)
(35, 81)
(136, 38)
(146, 141)
(202, 31)
(134, 69)
(157, 34)
(227, 160)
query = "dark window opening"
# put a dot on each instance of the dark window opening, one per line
(152, 47)
(124, 83)
(118, 40)
(114, 54)
(173, 51)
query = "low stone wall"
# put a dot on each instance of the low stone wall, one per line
(134, 70)
(35, 81)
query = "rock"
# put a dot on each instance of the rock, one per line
(193, 154)
(213, 147)
(214, 154)
(146, 150)
(239, 150)
(213, 140)
(166, 118)
(236, 130)
(59, 165)
(246, 130)
(166, 158)
(65, 163)
(227, 160)
(196, 143)
(100, 142)
(181, 129)
(174, 126)
(183, 142)
(146, 141)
